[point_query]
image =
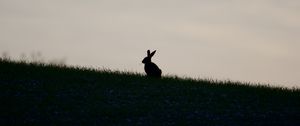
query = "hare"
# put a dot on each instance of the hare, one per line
(151, 68)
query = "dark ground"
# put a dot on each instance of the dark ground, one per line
(32, 94)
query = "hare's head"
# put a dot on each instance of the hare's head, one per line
(149, 56)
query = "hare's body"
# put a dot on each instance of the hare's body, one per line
(151, 68)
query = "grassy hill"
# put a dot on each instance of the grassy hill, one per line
(41, 94)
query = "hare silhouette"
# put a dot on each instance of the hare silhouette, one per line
(151, 68)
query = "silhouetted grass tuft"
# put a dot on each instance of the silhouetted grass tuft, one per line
(47, 94)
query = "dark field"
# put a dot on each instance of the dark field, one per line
(40, 94)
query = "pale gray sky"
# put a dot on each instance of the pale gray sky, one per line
(253, 40)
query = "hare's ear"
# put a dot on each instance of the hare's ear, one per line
(152, 53)
(148, 53)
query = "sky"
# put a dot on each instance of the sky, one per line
(248, 41)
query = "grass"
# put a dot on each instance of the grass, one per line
(45, 94)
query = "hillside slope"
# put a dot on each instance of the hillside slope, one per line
(39, 94)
